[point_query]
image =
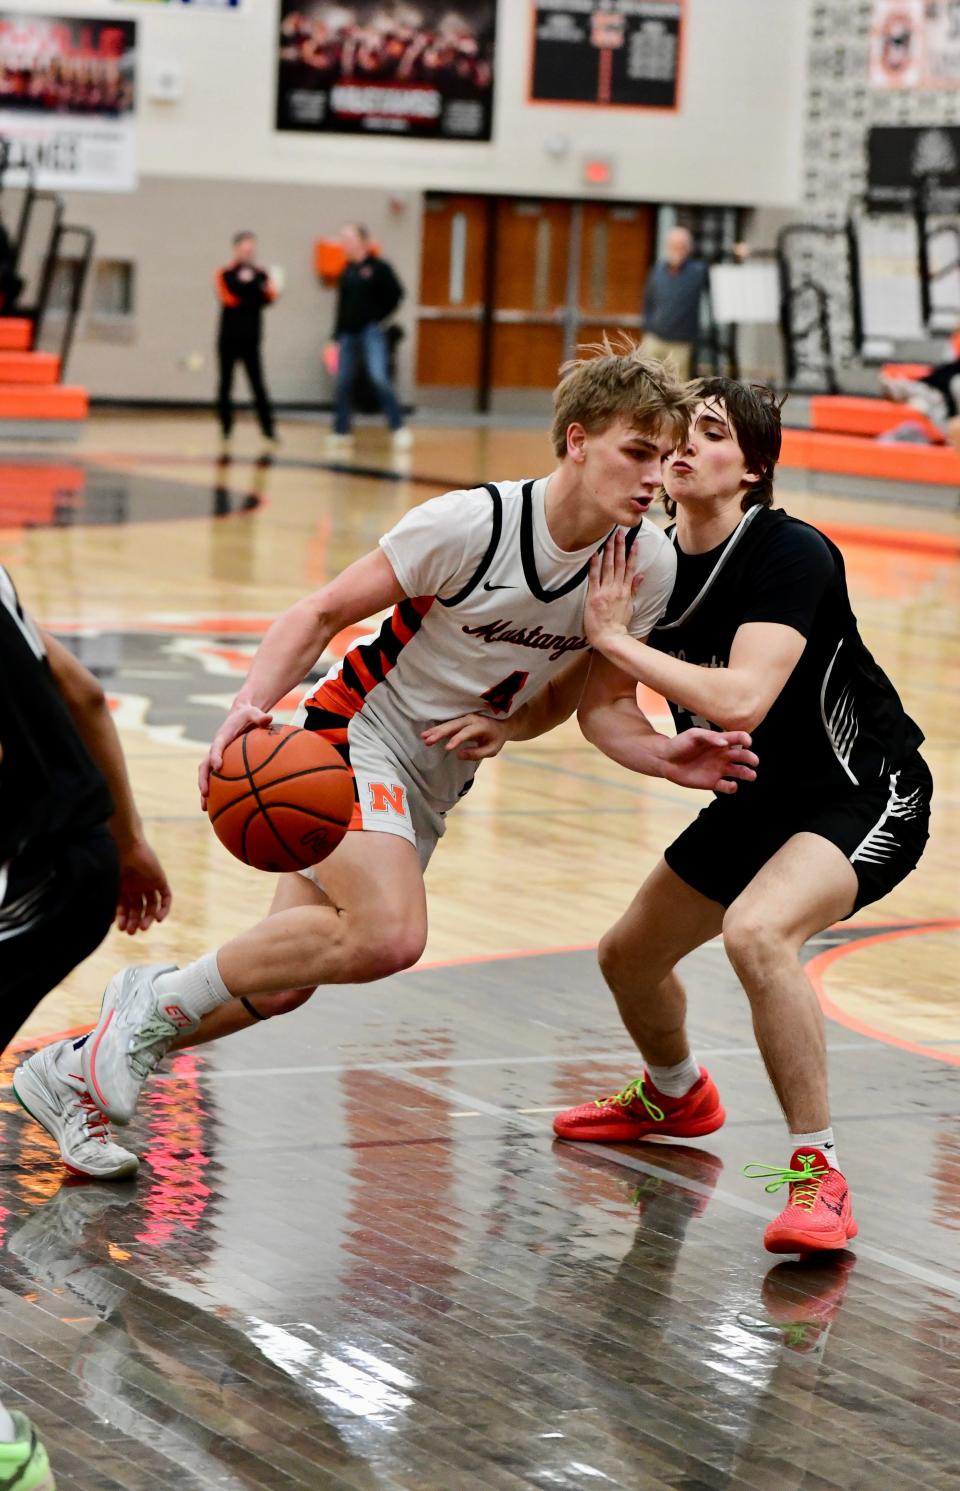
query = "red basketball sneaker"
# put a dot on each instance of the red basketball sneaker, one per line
(818, 1217)
(640, 1110)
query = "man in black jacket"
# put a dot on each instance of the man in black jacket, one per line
(369, 292)
(243, 289)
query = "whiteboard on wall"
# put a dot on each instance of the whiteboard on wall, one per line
(890, 302)
(745, 294)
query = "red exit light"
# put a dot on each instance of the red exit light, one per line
(597, 172)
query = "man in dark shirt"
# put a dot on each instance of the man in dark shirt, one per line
(671, 308)
(369, 292)
(243, 289)
(758, 636)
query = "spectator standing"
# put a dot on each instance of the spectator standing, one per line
(671, 308)
(369, 292)
(243, 289)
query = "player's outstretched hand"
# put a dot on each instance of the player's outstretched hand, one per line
(474, 737)
(242, 717)
(145, 894)
(710, 760)
(613, 580)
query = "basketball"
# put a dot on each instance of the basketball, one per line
(281, 800)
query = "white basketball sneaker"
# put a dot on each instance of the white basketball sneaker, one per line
(54, 1093)
(135, 1031)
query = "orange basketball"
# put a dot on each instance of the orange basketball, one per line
(282, 798)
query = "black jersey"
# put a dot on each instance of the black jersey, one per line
(838, 721)
(50, 789)
(243, 290)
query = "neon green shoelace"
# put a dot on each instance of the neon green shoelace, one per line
(632, 1093)
(804, 1183)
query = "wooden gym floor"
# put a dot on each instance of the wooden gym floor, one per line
(354, 1257)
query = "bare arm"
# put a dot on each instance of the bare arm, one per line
(295, 641)
(476, 737)
(737, 697)
(144, 890)
(611, 719)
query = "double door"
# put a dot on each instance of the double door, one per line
(511, 286)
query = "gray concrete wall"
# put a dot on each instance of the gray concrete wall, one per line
(177, 232)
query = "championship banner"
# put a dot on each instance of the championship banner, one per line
(621, 56)
(915, 44)
(67, 100)
(420, 70)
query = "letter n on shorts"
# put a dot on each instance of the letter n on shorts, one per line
(384, 799)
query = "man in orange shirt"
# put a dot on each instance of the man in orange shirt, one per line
(243, 289)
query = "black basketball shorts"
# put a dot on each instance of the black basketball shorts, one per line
(53, 913)
(881, 829)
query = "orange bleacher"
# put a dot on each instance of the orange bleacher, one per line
(30, 391)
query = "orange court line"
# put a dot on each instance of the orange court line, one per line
(818, 965)
(814, 968)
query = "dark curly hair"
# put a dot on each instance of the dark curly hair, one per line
(753, 411)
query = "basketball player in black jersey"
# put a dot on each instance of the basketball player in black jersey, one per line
(758, 636)
(72, 857)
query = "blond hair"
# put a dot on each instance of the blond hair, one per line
(612, 380)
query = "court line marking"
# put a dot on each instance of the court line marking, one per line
(33, 1042)
(934, 1277)
(818, 965)
(919, 540)
(401, 1068)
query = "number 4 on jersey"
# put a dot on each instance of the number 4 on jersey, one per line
(502, 695)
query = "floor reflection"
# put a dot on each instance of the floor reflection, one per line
(333, 1271)
(68, 494)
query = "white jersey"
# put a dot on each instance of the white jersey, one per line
(494, 610)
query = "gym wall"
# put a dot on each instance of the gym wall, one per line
(212, 162)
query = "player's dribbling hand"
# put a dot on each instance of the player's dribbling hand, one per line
(710, 760)
(145, 893)
(474, 737)
(242, 717)
(613, 581)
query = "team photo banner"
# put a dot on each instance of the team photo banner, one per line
(67, 98)
(419, 70)
(625, 55)
(915, 44)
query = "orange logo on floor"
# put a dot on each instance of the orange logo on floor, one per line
(384, 798)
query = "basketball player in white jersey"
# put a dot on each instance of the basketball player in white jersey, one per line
(488, 589)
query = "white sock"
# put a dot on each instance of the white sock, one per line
(675, 1081)
(822, 1140)
(197, 989)
(8, 1429)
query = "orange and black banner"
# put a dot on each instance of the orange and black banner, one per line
(423, 71)
(623, 55)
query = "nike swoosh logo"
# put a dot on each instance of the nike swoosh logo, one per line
(488, 586)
